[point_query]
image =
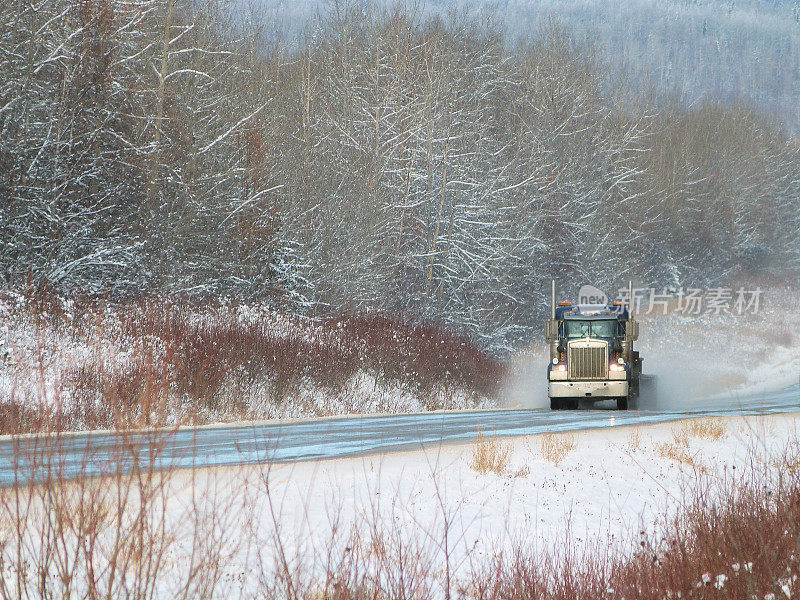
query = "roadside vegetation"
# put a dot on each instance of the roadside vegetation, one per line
(679, 448)
(134, 527)
(554, 448)
(733, 539)
(85, 364)
(490, 455)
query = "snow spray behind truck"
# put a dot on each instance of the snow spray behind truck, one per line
(591, 354)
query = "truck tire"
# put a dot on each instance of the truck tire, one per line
(622, 403)
(555, 403)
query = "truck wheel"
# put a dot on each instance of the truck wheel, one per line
(555, 403)
(622, 403)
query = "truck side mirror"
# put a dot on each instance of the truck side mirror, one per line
(632, 331)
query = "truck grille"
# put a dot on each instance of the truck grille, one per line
(588, 362)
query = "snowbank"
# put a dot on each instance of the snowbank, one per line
(614, 485)
(411, 519)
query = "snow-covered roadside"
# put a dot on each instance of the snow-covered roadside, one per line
(130, 365)
(780, 372)
(614, 484)
(418, 516)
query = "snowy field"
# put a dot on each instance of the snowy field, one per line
(592, 488)
(434, 515)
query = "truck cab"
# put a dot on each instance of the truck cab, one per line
(591, 355)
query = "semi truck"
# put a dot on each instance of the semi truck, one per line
(592, 357)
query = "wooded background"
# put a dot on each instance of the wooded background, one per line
(378, 158)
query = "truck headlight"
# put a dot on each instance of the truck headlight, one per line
(558, 372)
(616, 367)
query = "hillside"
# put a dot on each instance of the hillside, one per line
(695, 49)
(380, 160)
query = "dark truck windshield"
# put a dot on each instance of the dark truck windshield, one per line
(595, 329)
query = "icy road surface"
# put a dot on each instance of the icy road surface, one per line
(289, 441)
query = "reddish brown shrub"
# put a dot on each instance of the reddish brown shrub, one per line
(741, 544)
(178, 353)
(421, 355)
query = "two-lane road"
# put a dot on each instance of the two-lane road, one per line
(69, 455)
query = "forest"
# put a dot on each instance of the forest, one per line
(385, 158)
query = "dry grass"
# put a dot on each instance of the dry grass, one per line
(711, 428)
(554, 448)
(790, 461)
(791, 464)
(490, 455)
(678, 449)
(522, 472)
(634, 439)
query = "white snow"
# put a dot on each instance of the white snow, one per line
(615, 485)
(702, 356)
(780, 372)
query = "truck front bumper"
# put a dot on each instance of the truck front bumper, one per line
(587, 389)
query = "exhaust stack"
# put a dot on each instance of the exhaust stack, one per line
(630, 301)
(551, 328)
(631, 328)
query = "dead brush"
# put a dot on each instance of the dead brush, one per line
(738, 542)
(789, 462)
(490, 455)
(678, 450)
(156, 362)
(418, 354)
(634, 439)
(710, 428)
(554, 448)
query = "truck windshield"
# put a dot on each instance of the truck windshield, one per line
(595, 329)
